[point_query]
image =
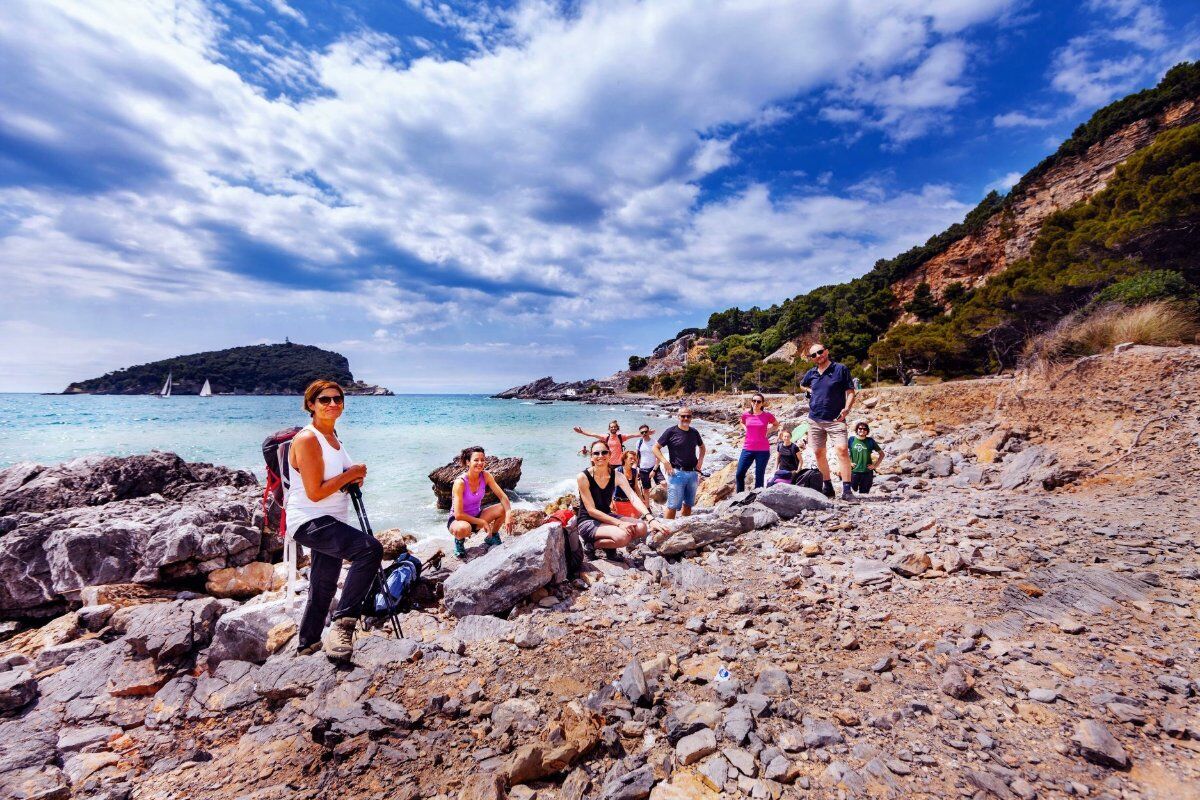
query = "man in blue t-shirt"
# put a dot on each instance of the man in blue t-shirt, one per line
(830, 398)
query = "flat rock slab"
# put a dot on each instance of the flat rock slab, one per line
(869, 571)
(1097, 745)
(695, 532)
(507, 574)
(789, 501)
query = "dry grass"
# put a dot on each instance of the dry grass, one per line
(1160, 323)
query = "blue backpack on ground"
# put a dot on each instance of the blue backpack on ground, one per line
(391, 595)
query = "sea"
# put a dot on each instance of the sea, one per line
(401, 439)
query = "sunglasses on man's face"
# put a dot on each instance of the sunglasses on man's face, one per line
(599, 453)
(815, 353)
(685, 416)
(326, 399)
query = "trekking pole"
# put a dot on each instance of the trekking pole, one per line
(360, 508)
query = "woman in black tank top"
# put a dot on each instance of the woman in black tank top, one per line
(599, 526)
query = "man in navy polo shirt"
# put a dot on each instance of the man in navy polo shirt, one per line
(830, 398)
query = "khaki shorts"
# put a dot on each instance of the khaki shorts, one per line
(819, 430)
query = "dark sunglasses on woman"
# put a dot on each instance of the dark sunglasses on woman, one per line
(325, 400)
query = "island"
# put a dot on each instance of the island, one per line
(260, 369)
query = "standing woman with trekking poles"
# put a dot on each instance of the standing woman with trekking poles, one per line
(318, 511)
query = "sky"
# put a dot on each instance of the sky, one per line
(464, 196)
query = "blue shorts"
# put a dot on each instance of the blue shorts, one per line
(681, 489)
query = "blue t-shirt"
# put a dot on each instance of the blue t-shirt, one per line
(828, 391)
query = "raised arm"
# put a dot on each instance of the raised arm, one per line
(598, 436)
(306, 452)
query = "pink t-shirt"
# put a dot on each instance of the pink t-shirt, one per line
(756, 430)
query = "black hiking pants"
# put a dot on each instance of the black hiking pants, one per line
(331, 542)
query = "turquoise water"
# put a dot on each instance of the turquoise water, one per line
(401, 439)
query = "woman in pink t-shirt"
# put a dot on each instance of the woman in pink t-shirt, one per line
(758, 424)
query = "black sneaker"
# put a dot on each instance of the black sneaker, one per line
(614, 555)
(827, 490)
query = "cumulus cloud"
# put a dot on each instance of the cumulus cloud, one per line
(553, 164)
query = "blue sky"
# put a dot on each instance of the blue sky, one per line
(461, 196)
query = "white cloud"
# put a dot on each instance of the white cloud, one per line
(1019, 119)
(552, 168)
(1003, 183)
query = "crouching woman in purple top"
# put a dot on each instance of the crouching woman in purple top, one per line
(600, 527)
(467, 513)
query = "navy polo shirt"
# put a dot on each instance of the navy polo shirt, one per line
(828, 391)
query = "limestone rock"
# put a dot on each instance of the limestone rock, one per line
(245, 581)
(955, 682)
(695, 746)
(498, 580)
(18, 687)
(869, 571)
(506, 471)
(692, 533)
(911, 564)
(1097, 745)
(102, 520)
(788, 501)
(167, 632)
(395, 542)
(36, 783)
(248, 633)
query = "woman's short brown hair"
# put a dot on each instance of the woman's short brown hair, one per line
(315, 388)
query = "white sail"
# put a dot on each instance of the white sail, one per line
(166, 390)
(206, 390)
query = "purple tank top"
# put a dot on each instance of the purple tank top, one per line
(473, 501)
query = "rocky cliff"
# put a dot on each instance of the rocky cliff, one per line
(257, 369)
(1008, 236)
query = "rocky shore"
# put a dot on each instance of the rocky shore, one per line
(1012, 615)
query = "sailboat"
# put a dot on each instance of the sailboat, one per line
(166, 390)
(206, 390)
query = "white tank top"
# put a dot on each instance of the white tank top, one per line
(300, 507)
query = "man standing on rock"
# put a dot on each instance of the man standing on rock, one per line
(830, 398)
(687, 451)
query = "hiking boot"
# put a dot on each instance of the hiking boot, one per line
(460, 548)
(492, 541)
(827, 489)
(308, 649)
(614, 555)
(339, 639)
(847, 494)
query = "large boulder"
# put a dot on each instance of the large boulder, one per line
(506, 471)
(692, 533)
(497, 581)
(788, 501)
(18, 687)
(1035, 466)
(98, 480)
(104, 520)
(168, 632)
(252, 633)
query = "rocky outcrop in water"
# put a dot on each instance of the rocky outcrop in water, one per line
(506, 471)
(105, 519)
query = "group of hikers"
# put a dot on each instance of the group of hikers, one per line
(613, 508)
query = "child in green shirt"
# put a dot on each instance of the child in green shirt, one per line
(865, 457)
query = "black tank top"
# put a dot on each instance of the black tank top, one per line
(601, 497)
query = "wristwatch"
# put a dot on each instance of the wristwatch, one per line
(647, 517)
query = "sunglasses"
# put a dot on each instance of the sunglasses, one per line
(643, 432)
(815, 353)
(599, 453)
(685, 416)
(326, 399)
(757, 402)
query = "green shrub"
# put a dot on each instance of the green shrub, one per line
(699, 377)
(637, 362)
(923, 306)
(668, 381)
(639, 384)
(955, 293)
(1159, 284)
